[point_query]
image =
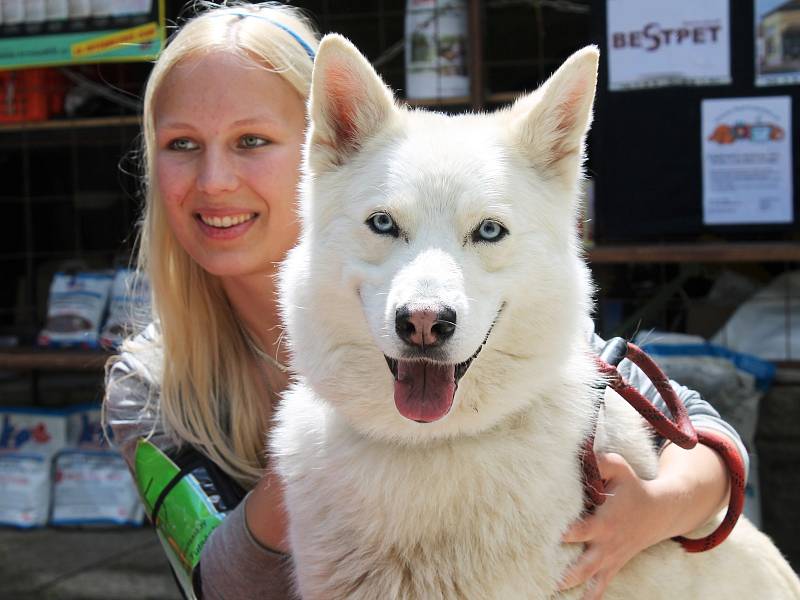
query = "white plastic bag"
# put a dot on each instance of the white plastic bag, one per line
(768, 324)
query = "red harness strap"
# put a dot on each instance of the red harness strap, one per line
(680, 431)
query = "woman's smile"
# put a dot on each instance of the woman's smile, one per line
(228, 226)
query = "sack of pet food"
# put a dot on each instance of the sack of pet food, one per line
(85, 428)
(24, 489)
(32, 431)
(75, 309)
(129, 307)
(92, 484)
(94, 487)
(28, 440)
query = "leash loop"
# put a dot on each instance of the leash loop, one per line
(678, 430)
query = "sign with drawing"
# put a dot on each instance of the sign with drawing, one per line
(652, 43)
(747, 160)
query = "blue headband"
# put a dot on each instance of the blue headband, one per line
(309, 50)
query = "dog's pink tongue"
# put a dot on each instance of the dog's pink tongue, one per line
(424, 391)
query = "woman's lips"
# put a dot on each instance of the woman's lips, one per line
(225, 227)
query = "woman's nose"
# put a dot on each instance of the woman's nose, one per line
(217, 172)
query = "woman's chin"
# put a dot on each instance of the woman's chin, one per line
(235, 264)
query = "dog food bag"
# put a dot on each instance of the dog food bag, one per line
(129, 307)
(91, 483)
(24, 489)
(28, 440)
(41, 432)
(94, 487)
(75, 309)
(85, 428)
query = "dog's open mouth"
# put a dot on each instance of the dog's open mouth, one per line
(423, 389)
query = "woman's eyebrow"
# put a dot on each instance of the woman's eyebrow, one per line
(259, 119)
(174, 125)
(255, 120)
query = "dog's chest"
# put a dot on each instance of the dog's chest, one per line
(469, 517)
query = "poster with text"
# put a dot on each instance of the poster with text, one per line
(747, 160)
(39, 33)
(652, 43)
(777, 35)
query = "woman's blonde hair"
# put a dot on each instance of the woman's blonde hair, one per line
(208, 396)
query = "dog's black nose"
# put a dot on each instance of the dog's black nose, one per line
(425, 327)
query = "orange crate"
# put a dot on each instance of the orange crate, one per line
(30, 94)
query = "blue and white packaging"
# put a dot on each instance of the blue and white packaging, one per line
(94, 487)
(42, 432)
(75, 309)
(24, 489)
(91, 483)
(129, 307)
(56, 467)
(85, 428)
(29, 438)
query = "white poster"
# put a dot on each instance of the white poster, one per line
(777, 35)
(652, 43)
(747, 160)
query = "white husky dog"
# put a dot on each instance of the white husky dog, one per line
(436, 309)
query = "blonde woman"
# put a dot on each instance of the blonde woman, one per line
(224, 118)
(224, 115)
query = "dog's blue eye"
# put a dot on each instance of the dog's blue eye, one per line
(383, 224)
(489, 231)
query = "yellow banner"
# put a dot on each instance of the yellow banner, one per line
(135, 35)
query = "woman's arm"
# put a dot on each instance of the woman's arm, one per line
(233, 564)
(236, 566)
(690, 488)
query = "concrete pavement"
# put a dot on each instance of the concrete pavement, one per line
(84, 564)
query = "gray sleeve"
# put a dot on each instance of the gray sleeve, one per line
(234, 566)
(701, 413)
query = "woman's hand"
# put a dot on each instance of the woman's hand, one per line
(691, 486)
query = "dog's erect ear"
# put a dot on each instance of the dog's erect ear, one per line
(349, 102)
(552, 121)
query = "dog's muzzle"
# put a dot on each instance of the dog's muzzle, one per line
(424, 388)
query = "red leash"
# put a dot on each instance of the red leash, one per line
(680, 432)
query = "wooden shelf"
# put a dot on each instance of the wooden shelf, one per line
(71, 123)
(45, 359)
(717, 252)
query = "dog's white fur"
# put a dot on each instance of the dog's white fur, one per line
(472, 506)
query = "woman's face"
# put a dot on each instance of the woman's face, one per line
(228, 135)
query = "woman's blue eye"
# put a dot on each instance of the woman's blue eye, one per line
(252, 141)
(489, 231)
(182, 144)
(383, 224)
